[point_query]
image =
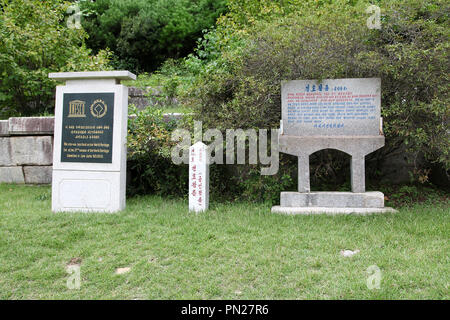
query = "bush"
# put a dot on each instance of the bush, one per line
(144, 33)
(330, 39)
(34, 41)
(151, 170)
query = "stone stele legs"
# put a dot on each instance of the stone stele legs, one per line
(306, 202)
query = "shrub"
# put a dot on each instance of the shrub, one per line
(149, 159)
(330, 39)
(34, 41)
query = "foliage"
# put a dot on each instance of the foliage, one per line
(413, 194)
(34, 41)
(330, 39)
(144, 33)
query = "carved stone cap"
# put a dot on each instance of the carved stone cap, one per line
(92, 75)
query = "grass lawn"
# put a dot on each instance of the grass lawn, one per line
(234, 251)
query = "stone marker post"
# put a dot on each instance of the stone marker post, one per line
(198, 177)
(89, 158)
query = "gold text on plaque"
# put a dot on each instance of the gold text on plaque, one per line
(76, 109)
(99, 108)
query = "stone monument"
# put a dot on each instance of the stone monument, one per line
(342, 114)
(89, 156)
(198, 177)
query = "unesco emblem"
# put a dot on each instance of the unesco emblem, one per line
(99, 108)
(76, 109)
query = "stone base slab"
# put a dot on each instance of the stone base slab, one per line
(330, 211)
(373, 199)
(31, 125)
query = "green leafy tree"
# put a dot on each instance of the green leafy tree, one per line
(330, 39)
(144, 33)
(34, 41)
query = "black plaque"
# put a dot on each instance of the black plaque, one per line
(87, 127)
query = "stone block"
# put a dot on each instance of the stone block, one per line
(139, 102)
(38, 174)
(31, 126)
(4, 128)
(37, 150)
(11, 175)
(5, 152)
(173, 116)
(352, 145)
(372, 199)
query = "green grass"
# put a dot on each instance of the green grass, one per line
(234, 251)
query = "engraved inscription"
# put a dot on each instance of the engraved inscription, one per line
(87, 128)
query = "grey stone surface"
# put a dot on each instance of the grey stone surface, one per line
(4, 128)
(31, 125)
(303, 173)
(137, 96)
(93, 75)
(38, 174)
(32, 150)
(330, 211)
(335, 107)
(11, 175)
(139, 102)
(5, 152)
(372, 199)
(352, 145)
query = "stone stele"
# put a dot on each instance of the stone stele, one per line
(341, 114)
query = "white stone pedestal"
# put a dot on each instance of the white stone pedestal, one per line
(89, 158)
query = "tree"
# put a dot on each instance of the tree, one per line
(144, 33)
(34, 41)
(330, 39)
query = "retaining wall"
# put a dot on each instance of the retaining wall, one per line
(26, 150)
